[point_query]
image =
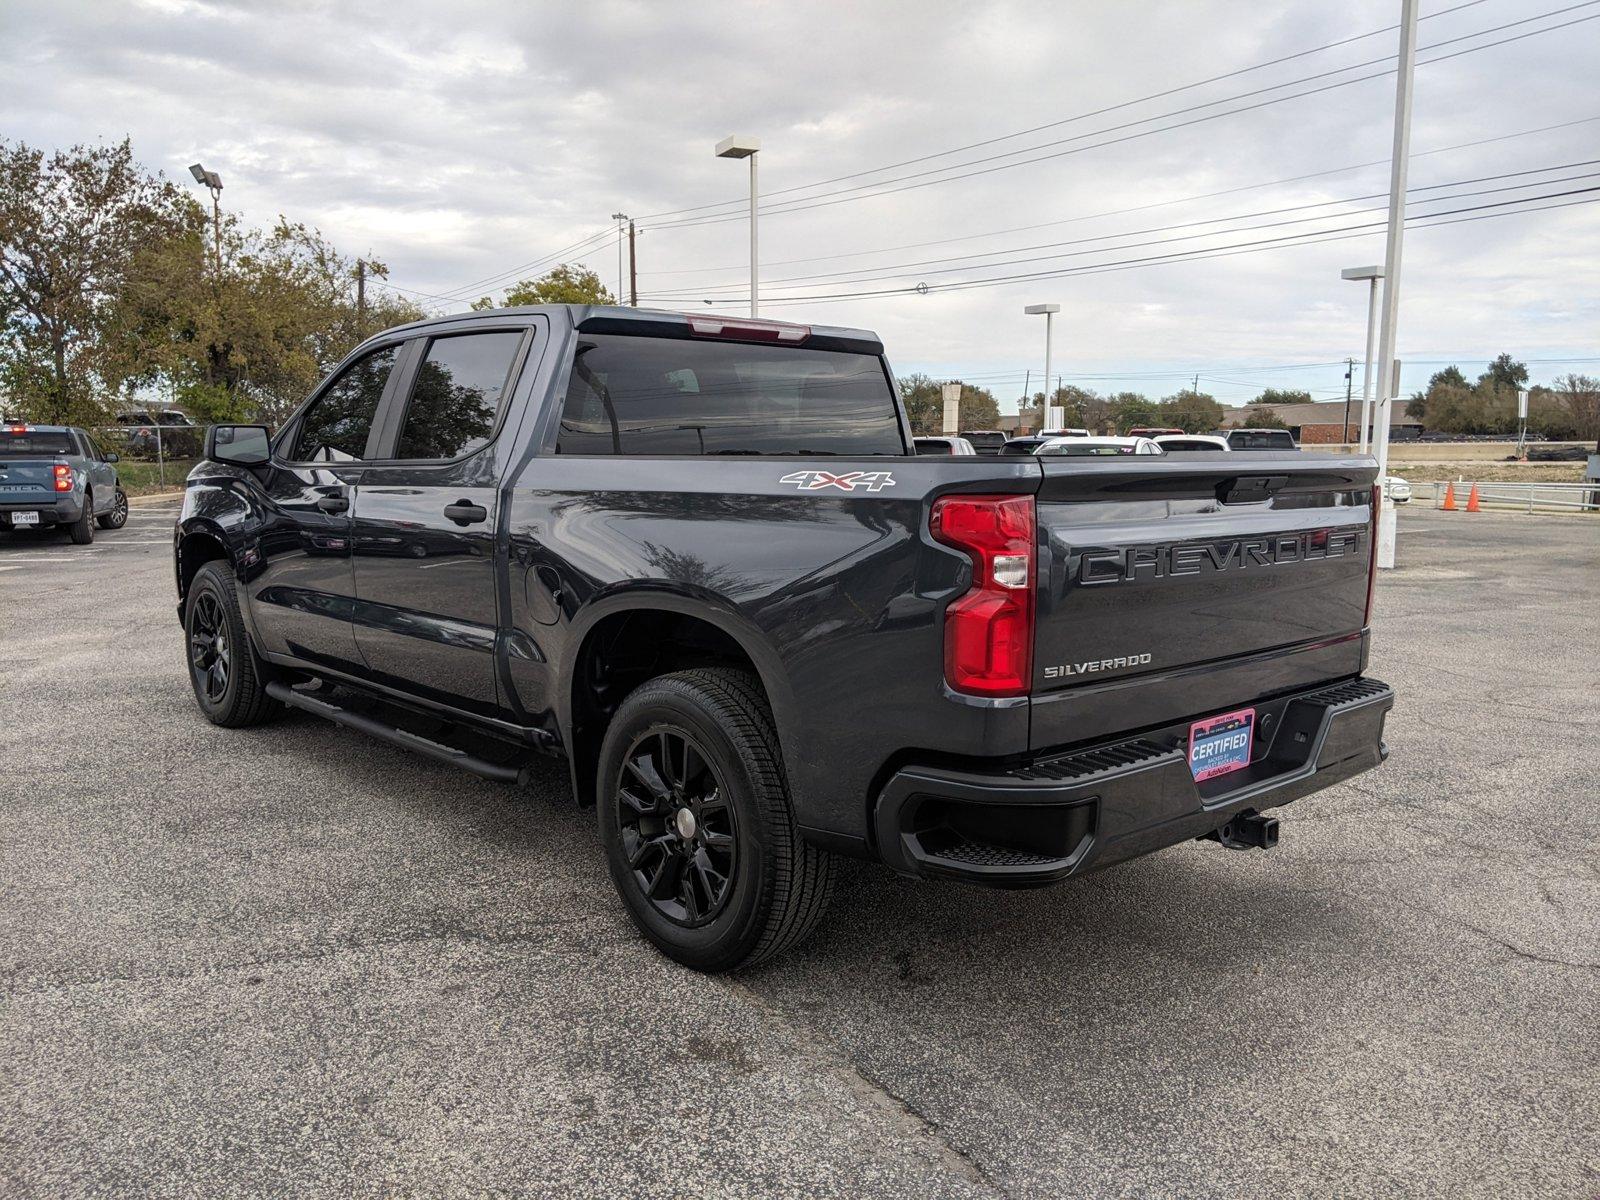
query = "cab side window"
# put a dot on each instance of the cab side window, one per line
(456, 400)
(335, 427)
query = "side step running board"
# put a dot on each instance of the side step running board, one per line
(396, 736)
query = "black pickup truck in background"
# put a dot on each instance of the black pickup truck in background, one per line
(699, 559)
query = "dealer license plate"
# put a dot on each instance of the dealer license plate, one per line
(1222, 744)
(24, 518)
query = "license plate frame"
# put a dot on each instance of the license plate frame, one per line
(1215, 748)
(24, 518)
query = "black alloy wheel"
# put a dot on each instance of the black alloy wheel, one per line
(679, 832)
(210, 655)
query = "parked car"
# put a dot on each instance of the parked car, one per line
(697, 559)
(985, 441)
(1098, 447)
(57, 475)
(146, 431)
(944, 445)
(1151, 431)
(1192, 441)
(1258, 439)
(1055, 433)
(1398, 490)
(1026, 444)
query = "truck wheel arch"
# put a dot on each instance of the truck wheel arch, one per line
(698, 634)
(197, 547)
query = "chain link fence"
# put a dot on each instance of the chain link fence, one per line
(155, 457)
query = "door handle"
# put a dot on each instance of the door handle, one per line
(333, 504)
(464, 512)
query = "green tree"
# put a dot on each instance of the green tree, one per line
(252, 338)
(979, 408)
(564, 284)
(1191, 411)
(924, 403)
(1263, 418)
(1281, 396)
(1506, 372)
(72, 228)
(1129, 409)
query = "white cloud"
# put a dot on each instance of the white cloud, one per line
(458, 142)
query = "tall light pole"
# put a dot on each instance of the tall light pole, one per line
(747, 147)
(212, 181)
(1371, 275)
(1048, 311)
(619, 218)
(1388, 384)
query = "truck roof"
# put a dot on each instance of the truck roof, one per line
(617, 318)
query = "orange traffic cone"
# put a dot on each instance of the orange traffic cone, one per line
(1472, 500)
(1449, 497)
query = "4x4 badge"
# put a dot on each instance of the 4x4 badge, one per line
(812, 481)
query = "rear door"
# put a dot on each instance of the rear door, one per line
(426, 612)
(304, 588)
(1164, 575)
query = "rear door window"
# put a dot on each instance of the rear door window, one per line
(336, 426)
(458, 395)
(638, 395)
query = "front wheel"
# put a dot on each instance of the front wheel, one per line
(227, 677)
(118, 516)
(697, 825)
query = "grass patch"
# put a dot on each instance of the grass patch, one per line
(144, 478)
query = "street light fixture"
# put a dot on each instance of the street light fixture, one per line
(619, 218)
(1049, 312)
(746, 147)
(212, 181)
(1372, 275)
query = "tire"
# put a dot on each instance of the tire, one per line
(741, 824)
(233, 694)
(81, 531)
(118, 516)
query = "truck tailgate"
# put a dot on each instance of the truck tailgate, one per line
(1192, 583)
(27, 480)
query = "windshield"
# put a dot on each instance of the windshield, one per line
(34, 441)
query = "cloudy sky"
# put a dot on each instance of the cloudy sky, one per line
(951, 145)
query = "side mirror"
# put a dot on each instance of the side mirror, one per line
(242, 445)
(112, 458)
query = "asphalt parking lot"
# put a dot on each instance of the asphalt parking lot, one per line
(293, 960)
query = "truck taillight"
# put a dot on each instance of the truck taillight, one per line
(749, 331)
(988, 632)
(1372, 550)
(63, 477)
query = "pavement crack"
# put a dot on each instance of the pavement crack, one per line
(1510, 946)
(873, 1092)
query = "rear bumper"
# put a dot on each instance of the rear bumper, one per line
(52, 511)
(1065, 814)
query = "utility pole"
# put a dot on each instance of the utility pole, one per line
(1399, 161)
(1195, 388)
(633, 269)
(1349, 383)
(361, 299)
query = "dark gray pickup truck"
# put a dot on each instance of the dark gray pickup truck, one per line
(699, 559)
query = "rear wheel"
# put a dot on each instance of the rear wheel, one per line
(81, 531)
(227, 676)
(699, 833)
(118, 516)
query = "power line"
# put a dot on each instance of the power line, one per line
(1118, 212)
(1083, 116)
(876, 274)
(601, 236)
(1426, 220)
(849, 195)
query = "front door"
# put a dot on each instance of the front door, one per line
(303, 588)
(426, 611)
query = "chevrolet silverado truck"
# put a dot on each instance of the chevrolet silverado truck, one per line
(699, 559)
(57, 476)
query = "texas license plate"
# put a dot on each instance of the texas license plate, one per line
(24, 518)
(1218, 745)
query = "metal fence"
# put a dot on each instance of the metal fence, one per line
(169, 448)
(1528, 497)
